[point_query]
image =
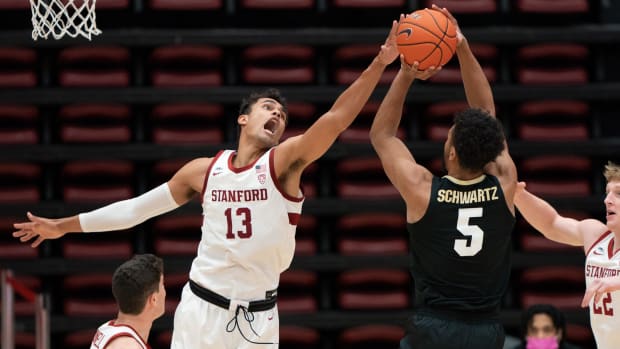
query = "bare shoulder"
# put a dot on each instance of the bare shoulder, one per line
(591, 230)
(124, 342)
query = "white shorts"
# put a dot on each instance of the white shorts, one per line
(199, 324)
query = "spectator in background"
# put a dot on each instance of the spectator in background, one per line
(543, 327)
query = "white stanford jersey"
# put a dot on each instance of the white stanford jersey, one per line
(109, 331)
(602, 262)
(248, 229)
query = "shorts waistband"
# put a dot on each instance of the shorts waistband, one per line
(224, 302)
(482, 316)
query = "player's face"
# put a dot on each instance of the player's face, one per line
(267, 121)
(542, 326)
(161, 298)
(447, 146)
(612, 204)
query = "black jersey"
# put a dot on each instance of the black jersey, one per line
(461, 246)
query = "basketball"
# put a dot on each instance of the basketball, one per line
(426, 36)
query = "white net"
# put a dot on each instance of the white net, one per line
(63, 17)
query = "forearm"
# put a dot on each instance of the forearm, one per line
(477, 88)
(390, 111)
(537, 212)
(128, 213)
(351, 101)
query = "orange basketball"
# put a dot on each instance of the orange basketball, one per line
(426, 36)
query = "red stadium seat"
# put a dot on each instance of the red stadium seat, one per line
(372, 289)
(177, 235)
(186, 5)
(10, 247)
(89, 295)
(553, 64)
(580, 335)
(359, 131)
(296, 292)
(20, 183)
(95, 123)
(277, 4)
(368, 3)
(301, 115)
(94, 66)
(363, 178)
(372, 233)
(278, 64)
(112, 4)
(18, 124)
(561, 286)
(371, 336)
(97, 181)
(113, 245)
(466, 6)
(14, 4)
(305, 236)
(186, 66)
(174, 287)
(487, 56)
(298, 337)
(188, 123)
(553, 120)
(79, 339)
(551, 6)
(351, 60)
(438, 118)
(18, 67)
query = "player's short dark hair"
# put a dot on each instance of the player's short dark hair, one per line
(557, 317)
(135, 280)
(246, 104)
(477, 137)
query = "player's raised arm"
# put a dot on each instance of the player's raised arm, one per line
(398, 163)
(322, 134)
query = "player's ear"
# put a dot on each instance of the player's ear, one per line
(242, 119)
(452, 153)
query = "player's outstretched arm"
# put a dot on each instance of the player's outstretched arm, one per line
(311, 145)
(544, 218)
(122, 214)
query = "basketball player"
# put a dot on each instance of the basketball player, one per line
(138, 287)
(459, 225)
(251, 202)
(600, 242)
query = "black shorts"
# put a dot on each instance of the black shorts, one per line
(425, 331)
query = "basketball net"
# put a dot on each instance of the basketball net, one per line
(63, 17)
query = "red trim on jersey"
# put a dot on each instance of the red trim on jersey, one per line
(276, 182)
(293, 218)
(240, 169)
(610, 248)
(604, 235)
(125, 334)
(204, 185)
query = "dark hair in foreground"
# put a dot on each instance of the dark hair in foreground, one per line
(557, 317)
(477, 137)
(135, 280)
(248, 102)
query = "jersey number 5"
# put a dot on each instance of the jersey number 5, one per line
(472, 243)
(246, 221)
